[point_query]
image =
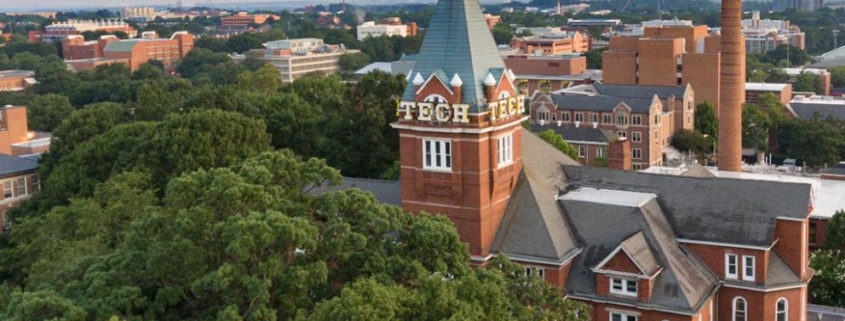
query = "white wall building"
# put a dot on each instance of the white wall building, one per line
(371, 29)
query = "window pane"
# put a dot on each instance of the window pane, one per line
(437, 154)
(615, 317)
(448, 148)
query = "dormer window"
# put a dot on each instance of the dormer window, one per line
(748, 268)
(623, 286)
(731, 266)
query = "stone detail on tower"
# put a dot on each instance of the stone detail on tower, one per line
(733, 87)
(460, 127)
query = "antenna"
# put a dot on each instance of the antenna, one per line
(179, 6)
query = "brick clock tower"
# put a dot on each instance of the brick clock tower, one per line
(460, 127)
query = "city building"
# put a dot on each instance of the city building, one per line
(648, 116)
(82, 55)
(387, 27)
(802, 5)
(548, 74)
(242, 20)
(18, 181)
(553, 44)
(586, 23)
(15, 137)
(672, 55)
(295, 58)
(142, 14)
(753, 91)
(823, 75)
(633, 246)
(592, 143)
(16, 80)
(833, 58)
(766, 35)
(807, 107)
(60, 30)
(42, 14)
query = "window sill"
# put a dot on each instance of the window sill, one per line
(438, 170)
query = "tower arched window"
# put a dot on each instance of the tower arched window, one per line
(782, 310)
(435, 98)
(504, 95)
(739, 309)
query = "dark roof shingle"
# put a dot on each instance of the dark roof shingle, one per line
(13, 165)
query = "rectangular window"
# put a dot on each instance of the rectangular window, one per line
(623, 286)
(622, 134)
(7, 190)
(21, 187)
(437, 154)
(615, 316)
(582, 151)
(535, 271)
(731, 263)
(505, 150)
(636, 137)
(565, 117)
(542, 116)
(35, 182)
(622, 120)
(812, 237)
(637, 153)
(600, 152)
(637, 166)
(748, 268)
(594, 118)
(636, 120)
(607, 118)
(579, 117)
(554, 116)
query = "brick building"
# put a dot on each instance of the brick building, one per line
(647, 116)
(633, 246)
(16, 80)
(553, 44)
(18, 181)
(295, 58)
(592, 143)
(667, 56)
(15, 137)
(753, 91)
(60, 30)
(242, 20)
(83, 54)
(762, 35)
(548, 74)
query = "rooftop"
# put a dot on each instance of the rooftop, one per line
(759, 86)
(608, 197)
(17, 73)
(14, 165)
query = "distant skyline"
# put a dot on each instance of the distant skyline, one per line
(51, 5)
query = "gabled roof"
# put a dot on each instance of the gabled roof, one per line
(808, 110)
(458, 42)
(605, 219)
(698, 171)
(636, 247)
(13, 165)
(585, 133)
(631, 91)
(387, 192)
(839, 169)
(601, 103)
(533, 226)
(721, 210)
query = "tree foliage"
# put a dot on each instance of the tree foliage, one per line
(557, 141)
(828, 284)
(706, 121)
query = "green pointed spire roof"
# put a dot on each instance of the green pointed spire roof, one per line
(458, 41)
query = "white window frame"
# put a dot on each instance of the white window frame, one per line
(505, 150)
(622, 134)
(728, 265)
(535, 271)
(746, 264)
(784, 312)
(627, 287)
(441, 150)
(735, 313)
(636, 137)
(636, 120)
(20, 186)
(8, 189)
(579, 117)
(435, 98)
(565, 117)
(623, 316)
(622, 120)
(607, 118)
(594, 118)
(637, 153)
(582, 151)
(35, 181)
(599, 152)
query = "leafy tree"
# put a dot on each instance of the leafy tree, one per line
(557, 141)
(755, 128)
(265, 80)
(196, 60)
(836, 232)
(379, 49)
(243, 42)
(815, 141)
(706, 121)
(41, 305)
(808, 82)
(160, 97)
(502, 34)
(827, 286)
(837, 76)
(46, 112)
(149, 70)
(687, 140)
(594, 59)
(354, 62)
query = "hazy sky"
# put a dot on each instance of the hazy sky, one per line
(30, 4)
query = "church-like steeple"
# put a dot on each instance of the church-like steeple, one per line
(458, 42)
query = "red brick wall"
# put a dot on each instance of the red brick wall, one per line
(601, 312)
(658, 61)
(761, 305)
(14, 127)
(702, 72)
(619, 68)
(621, 263)
(793, 246)
(714, 258)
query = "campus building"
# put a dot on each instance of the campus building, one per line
(766, 35)
(242, 20)
(667, 55)
(753, 91)
(82, 55)
(386, 27)
(295, 58)
(16, 80)
(648, 116)
(633, 246)
(60, 30)
(553, 44)
(801, 5)
(547, 74)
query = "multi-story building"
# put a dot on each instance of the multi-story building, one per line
(548, 74)
(18, 181)
(492, 20)
(807, 107)
(60, 30)
(553, 44)
(142, 14)
(822, 74)
(15, 137)
(81, 54)
(667, 56)
(592, 143)
(802, 5)
(16, 80)
(633, 246)
(647, 116)
(387, 27)
(766, 35)
(753, 91)
(242, 20)
(295, 58)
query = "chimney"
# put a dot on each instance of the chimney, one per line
(733, 87)
(457, 84)
(619, 154)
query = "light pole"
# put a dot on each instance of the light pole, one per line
(715, 157)
(835, 39)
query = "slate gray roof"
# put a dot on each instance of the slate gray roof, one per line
(808, 110)
(638, 251)
(401, 67)
(533, 225)
(121, 45)
(698, 171)
(458, 42)
(601, 103)
(631, 91)
(839, 169)
(13, 165)
(387, 192)
(585, 133)
(683, 285)
(710, 209)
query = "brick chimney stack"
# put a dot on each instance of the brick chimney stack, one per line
(619, 154)
(733, 87)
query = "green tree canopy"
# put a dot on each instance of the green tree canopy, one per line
(808, 82)
(46, 112)
(557, 141)
(706, 121)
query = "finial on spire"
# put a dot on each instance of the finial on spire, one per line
(456, 81)
(418, 80)
(490, 80)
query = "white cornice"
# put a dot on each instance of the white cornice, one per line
(459, 130)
